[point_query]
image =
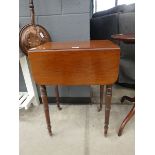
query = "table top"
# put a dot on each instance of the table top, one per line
(75, 63)
(75, 45)
(127, 38)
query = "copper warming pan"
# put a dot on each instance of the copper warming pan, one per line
(32, 35)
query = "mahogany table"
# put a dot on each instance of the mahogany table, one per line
(75, 63)
(128, 39)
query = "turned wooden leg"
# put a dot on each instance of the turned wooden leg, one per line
(101, 97)
(46, 108)
(126, 120)
(107, 107)
(57, 97)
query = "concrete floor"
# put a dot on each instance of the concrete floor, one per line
(77, 129)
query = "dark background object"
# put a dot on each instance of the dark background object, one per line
(117, 20)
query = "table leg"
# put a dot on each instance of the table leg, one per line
(126, 120)
(107, 107)
(46, 108)
(57, 97)
(101, 97)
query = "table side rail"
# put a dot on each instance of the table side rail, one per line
(75, 67)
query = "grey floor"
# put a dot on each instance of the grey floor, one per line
(77, 129)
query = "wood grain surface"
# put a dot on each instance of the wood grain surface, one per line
(75, 63)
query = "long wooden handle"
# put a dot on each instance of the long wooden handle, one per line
(31, 6)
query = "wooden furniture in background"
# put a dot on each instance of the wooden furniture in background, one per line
(128, 39)
(129, 115)
(75, 63)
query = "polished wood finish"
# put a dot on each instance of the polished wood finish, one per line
(46, 108)
(107, 107)
(76, 45)
(31, 6)
(101, 97)
(57, 97)
(128, 39)
(77, 63)
(51, 64)
(126, 120)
